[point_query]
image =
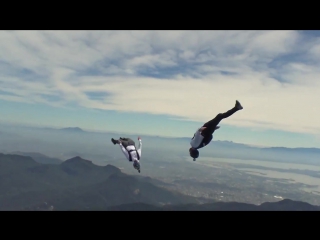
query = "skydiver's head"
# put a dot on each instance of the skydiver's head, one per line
(194, 153)
(136, 164)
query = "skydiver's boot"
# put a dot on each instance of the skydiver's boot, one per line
(238, 105)
(114, 141)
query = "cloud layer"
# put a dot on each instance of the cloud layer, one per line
(191, 75)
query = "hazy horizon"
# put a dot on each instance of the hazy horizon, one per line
(62, 143)
(116, 134)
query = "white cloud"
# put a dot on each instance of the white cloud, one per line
(283, 107)
(200, 73)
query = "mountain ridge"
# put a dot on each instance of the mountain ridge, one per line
(282, 205)
(36, 186)
(38, 157)
(74, 184)
(72, 129)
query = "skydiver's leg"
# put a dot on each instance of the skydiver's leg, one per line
(114, 141)
(131, 142)
(127, 142)
(126, 139)
(213, 123)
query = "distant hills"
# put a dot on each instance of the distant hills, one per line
(217, 142)
(78, 184)
(40, 158)
(216, 149)
(75, 184)
(283, 205)
(59, 142)
(72, 129)
(67, 129)
(229, 149)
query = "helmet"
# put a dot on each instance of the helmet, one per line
(194, 153)
(136, 165)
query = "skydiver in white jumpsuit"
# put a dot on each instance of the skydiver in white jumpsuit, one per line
(127, 146)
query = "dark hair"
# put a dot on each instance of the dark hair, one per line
(194, 153)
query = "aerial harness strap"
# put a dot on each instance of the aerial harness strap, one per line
(204, 141)
(130, 157)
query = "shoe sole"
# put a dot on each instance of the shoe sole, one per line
(238, 105)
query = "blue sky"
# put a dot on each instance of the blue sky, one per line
(165, 83)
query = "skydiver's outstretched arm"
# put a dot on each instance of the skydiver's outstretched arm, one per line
(139, 147)
(125, 152)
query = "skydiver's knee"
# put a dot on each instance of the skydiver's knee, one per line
(219, 116)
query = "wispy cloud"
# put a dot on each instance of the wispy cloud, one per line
(191, 75)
